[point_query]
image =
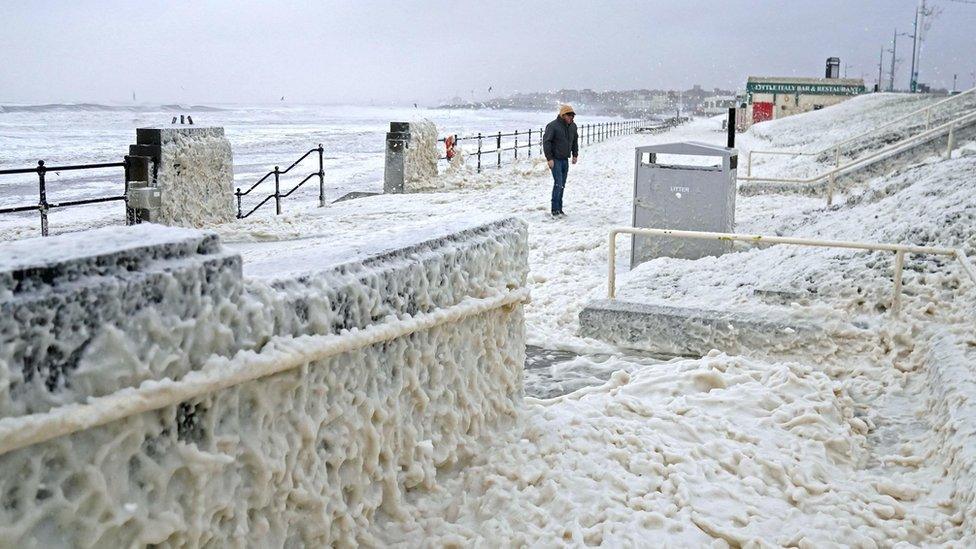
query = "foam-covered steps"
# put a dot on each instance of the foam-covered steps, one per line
(694, 331)
(888, 163)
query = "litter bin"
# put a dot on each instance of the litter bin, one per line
(694, 196)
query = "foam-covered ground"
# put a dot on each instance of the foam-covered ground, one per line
(726, 451)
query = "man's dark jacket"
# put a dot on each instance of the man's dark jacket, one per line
(560, 140)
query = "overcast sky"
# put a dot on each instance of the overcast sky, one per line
(404, 52)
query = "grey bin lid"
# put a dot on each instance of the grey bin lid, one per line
(695, 148)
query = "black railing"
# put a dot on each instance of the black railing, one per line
(43, 205)
(531, 139)
(277, 195)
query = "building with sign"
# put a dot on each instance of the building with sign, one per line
(770, 97)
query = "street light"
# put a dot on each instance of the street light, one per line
(894, 47)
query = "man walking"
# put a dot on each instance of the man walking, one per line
(559, 142)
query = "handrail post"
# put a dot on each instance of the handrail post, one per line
(125, 189)
(516, 145)
(530, 142)
(479, 152)
(240, 212)
(612, 263)
(321, 179)
(836, 157)
(950, 142)
(42, 196)
(899, 264)
(277, 194)
(830, 188)
(749, 164)
(499, 149)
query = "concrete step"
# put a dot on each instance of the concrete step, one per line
(690, 331)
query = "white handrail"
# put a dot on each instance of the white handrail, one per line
(899, 249)
(279, 355)
(836, 146)
(831, 175)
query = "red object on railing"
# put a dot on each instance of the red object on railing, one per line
(449, 147)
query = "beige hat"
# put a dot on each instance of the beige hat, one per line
(566, 109)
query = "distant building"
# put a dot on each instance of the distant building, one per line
(716, 104)
(769, 98)
(658, 102)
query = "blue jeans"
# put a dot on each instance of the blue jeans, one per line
(560, 169)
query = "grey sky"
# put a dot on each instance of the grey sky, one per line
(401, 51)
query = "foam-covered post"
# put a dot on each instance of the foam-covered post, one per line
(421, 156)
(191, 183)
(396, 144)
(142, 200)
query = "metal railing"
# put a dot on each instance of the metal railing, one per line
(277, 194)
(44, 205)
(515, 141)
(899, 249)
(835, 148)
(831, 175)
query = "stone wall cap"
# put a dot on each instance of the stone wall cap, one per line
(49, 259)
(155, 135)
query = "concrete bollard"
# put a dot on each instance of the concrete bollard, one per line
(412, 154)
(397, 141)
(187, 179)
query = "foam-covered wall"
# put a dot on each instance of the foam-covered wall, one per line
(310, 456)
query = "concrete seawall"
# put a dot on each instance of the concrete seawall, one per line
(149, 393)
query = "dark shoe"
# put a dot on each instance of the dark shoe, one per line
(560, 213)
(554, 214)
